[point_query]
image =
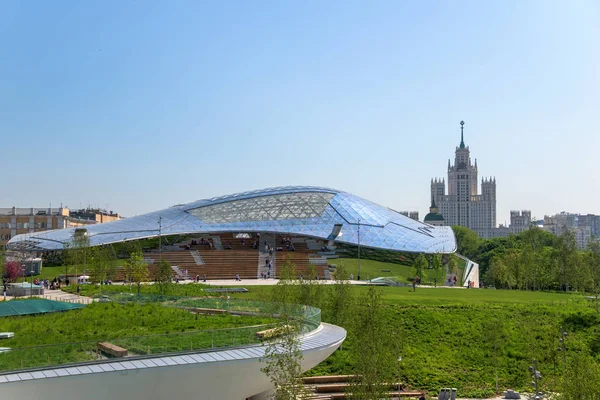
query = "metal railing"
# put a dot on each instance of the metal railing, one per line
(80, 353)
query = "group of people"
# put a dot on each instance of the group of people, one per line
(265, 274)
(452, 281)
(415, 282)
(202, 241)
(286, 242)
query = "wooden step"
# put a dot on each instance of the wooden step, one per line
(328, 379)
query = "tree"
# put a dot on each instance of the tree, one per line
(497, 274)
(453, 267)
(593, 260)
(284, 294)
(163, 276)
(283, 356)
(420, 264)
(1, 262)
(136, 269)
(341, 298)
(77, 251)
(566, 253)
(581, 379)
(12, 270)
(376, 353)
(99, 264)
(467, 241)
(310, 292)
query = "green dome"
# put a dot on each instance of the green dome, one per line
(433, 217)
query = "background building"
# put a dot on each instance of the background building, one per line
(519, 221)
(583, 226)
(15, 221)
(410, 214)
(463, 205)
(434, 217)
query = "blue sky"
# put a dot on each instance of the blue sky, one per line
(136, 106)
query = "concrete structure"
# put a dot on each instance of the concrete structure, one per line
(321, 213)
(23, 289)
(15, 221)
(471, 272)
(233, 373)
(463, 205)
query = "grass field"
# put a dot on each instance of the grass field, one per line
(445, 332)
(445, 336)
(54, 271)
(370, 269)
(66, 337)
(404, 296)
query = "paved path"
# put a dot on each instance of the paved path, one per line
(260, 282)
(59, 295)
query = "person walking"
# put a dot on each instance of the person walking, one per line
(415, 285)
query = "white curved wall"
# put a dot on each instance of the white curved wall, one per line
(232, 374)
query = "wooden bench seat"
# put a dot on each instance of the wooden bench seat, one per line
(206, 311)
(273, 332)
(112, 349)
(342, 396)
(328, 379)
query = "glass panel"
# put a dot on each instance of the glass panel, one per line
(266, 208)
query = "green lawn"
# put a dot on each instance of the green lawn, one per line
(446, 342)
(175, 289)
(455, 296)
(140, 328)
(54, 271)
(404, 296)
(370, 269)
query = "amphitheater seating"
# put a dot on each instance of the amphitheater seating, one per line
(241, 260)
(225, 264)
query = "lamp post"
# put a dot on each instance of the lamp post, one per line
(399, 374)
(159, 238)
(562, 347)
(536, 375)
(358, 233)
(31, 287)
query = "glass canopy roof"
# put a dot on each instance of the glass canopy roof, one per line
(265, 208)
(296, 210)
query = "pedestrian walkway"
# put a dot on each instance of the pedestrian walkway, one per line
(59, 295)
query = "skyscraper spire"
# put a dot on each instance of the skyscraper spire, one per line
(462, 140)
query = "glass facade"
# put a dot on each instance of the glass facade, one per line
(296, 210)
(265, 208)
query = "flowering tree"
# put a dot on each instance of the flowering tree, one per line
(12, 271)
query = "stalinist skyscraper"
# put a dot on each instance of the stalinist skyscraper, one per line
(463, 205)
